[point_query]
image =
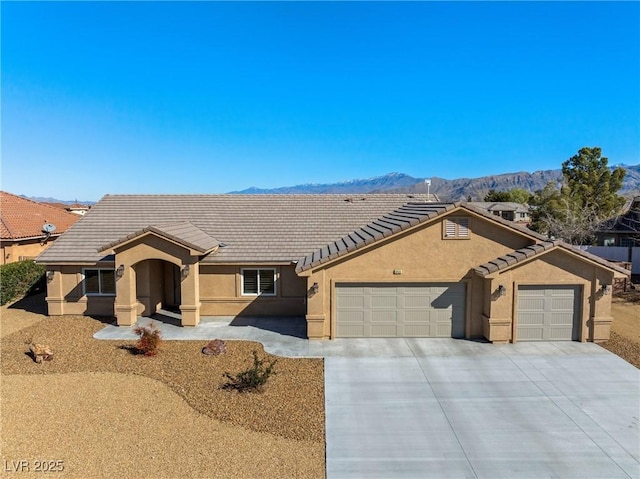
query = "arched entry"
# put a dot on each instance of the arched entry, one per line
(157, 286)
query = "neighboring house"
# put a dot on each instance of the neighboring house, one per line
(352, 265)
(516, 212)
(623, 230)
(23, 234)
(78, 209)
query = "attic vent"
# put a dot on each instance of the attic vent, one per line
(456, 228)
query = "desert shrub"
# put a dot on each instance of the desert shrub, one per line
(149, 341)
(252, 379)
(16, 279)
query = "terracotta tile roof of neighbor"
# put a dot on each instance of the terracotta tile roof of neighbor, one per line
(23, 218)
(249, 228)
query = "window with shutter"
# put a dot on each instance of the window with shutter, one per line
(99, 282)
(259, 281)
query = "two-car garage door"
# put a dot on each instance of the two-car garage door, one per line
(548, 313)
(400, 310)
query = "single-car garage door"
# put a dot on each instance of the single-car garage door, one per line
(432, 310)
(548, 313)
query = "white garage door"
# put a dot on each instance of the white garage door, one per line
(428, 310)
(548, 313)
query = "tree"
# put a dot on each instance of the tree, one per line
(520, 195)
(587, 197)
(516, 195)
(497, 196)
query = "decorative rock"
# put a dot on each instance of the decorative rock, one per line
(41, 352)
(214, 348)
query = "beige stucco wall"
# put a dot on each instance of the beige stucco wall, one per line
(421, 255)
(65, 293)
(13, 251)
(557, 267)
(221, 292)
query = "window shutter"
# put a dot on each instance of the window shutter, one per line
(108, 281)
(463, 228)
(91, 281)
(267, 281)
(250, 281)
(450, 229)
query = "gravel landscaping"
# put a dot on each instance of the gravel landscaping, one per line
(625, 330)
(281, 429)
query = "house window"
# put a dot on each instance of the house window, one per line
(628, 242)
(456, 228)
(609, 242)
(259, 281)
(99, 282)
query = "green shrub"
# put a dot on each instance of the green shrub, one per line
(149, 339)
(253, 378)
(16, 279)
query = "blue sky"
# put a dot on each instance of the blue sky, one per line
(210, 97)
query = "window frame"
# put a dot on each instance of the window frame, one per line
(258, 293)
(456, 221)
(100, 288)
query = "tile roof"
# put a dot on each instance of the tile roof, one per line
(400, 219)
(501, 206)
(271, 228)
(22, 218)
(253, 228)
(506, 261)
(183, 233)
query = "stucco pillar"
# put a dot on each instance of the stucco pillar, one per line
(190, 293)
(55, 298)
(126, 305)
(600, 318)
(497, 319)
(318, 326)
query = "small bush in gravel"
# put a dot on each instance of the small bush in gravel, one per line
(149, 339)
(252, 379)
(16, 279)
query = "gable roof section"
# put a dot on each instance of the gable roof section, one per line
(503, 263)
(22, 218)
(398, 220)
(185, 234)
(402, 218)
(253, 228)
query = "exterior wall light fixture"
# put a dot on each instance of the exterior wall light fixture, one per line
(502, 291)
(50, 275)
(605, 288)
(314, 288)
(120, 271)
(185, 271)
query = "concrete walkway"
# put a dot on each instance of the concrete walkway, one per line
(437, 408)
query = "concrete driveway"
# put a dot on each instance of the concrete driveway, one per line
(460, 409)
(438, 408)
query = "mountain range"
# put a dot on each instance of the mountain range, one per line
(447, 190)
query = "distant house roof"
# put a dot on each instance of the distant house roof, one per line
(252, 228)
(628, 222)
(22, 218)
(501, 206)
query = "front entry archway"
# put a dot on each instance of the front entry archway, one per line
(157, 286)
